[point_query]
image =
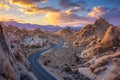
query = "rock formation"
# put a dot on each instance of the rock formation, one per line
(101, 42)
(13, 63)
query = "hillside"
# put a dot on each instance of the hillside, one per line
(34, 26)
(101, 42)
(14, 64)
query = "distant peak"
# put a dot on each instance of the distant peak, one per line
(101, 21)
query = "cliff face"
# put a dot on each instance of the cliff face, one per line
(6, 70)
(13, 63)
(111, 37)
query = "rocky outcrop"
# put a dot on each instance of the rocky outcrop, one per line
(6, 70)
(13, 63)
(97, 29)
(111, 37)
(65, 32)
(109, 42)
(101, 42)
(91, 32)
(104, 68)
(98, 38)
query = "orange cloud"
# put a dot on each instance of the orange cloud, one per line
(4, 6)
(26, 3)
(97, 12)
(35, 10)
(65, 19)
(52, 17)
(74, 10)
(69, 11)
(8, 17)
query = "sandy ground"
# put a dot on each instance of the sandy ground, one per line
(55, 72)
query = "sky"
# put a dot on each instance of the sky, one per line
(60, 12)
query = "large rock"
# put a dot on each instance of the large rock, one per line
(91, 32)
(111, 37)
(103, 68)
(102, 51)
(13, 63)
(6, 69)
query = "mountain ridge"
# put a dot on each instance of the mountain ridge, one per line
(34, 26)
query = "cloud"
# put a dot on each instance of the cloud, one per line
(69, 3)
(37, 10)
(26, 3)
(4, 6)
(31, 7)
(74, 10)
(111, 15)
(97, 12)
(64, 19)
(8, 17)
(70, 18)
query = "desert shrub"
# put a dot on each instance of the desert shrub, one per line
(46, 62)
(12, 46)
(66, 68)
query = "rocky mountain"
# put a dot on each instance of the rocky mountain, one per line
(13, 62)
(64, 32)
(32, 26)
(111, 37)
(91, 32)
(101, 35)
(97, 29)
(42, 27)
(73, 29)
(67, 34)
(101, 50)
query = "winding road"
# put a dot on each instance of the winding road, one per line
(38, 70)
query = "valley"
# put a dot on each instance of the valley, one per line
(90, 53)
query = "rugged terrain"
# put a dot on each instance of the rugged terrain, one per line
(102, 54)
(91, 53)
(32, 40)
(16, 45)
(13, 62)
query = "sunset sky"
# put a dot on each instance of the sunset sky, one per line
(60, 12)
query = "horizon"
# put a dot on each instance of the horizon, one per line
(61, 13)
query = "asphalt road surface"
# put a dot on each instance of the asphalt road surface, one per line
(38, 70)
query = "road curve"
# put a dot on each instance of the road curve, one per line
(38, 70)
